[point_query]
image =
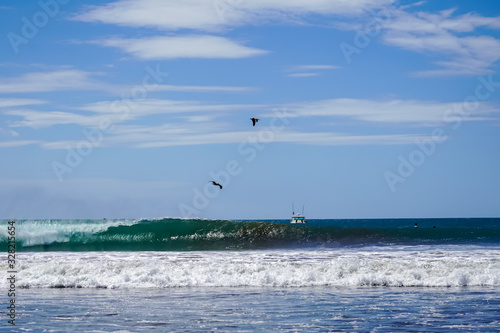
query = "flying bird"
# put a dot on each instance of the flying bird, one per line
(254, 120)
(217, 184)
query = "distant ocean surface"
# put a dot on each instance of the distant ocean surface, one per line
(196, 275)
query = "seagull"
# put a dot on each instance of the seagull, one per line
(254, 120)
(216, 184)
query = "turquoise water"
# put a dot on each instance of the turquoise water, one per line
(172, 275)
(194, 234)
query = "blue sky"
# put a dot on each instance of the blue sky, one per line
(367, 108)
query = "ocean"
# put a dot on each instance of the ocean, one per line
(198, 275)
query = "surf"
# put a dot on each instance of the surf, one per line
(172, 234)
(373, 267)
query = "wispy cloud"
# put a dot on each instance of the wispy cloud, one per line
(309, 70)
(208, 133)
(8, 132)
(12, 102)
(445, 35)
(18, 143)
(215, 15)
(422, 113)
(342, 139)
(211, 89)
(146, 107)
(190, 46)
(314, 138)
(201, 123)
(61, 80)
(39, 119)
(168, 15)
(303, 74)
(390, 112)
(313, 67)
(119, 111)
(454, 38)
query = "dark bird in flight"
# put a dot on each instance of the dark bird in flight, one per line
(254, 120)
(217, 184)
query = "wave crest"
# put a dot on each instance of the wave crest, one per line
(170, 234)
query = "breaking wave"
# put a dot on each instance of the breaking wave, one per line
(170, 234)
(401, 267)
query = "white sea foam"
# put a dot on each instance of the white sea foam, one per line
(375, 267)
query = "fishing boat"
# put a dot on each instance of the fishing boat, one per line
(298, 218)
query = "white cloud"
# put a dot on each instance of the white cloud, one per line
(18, 143)
(309, 70)
(12, 102)
(303, 74)
(443, 34)
(197, 119)
(120, 111)
(170, 15)
(8, 132)
(191, 46)
(50, 81)
(340, 139)
(392, 111)
(181, 88)
(199, 123)
(148, 138)
(214, 15)
(409, 112)
(205, 133)
(313, 67)
(64, 80)
(202, 130)
(146, 107)
(38, 119)
(175, 135)
(340, 7)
